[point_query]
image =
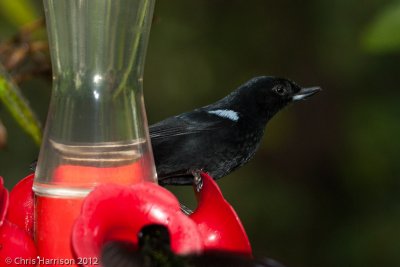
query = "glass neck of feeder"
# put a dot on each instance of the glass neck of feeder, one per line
(96, 124)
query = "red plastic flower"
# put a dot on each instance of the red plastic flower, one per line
(114, 212)
(219, 225)
(20, 211)
(16, 244)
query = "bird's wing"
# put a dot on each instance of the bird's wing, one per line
(187, 124)
(174, 141)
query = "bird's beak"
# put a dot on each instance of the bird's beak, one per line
(305, 93)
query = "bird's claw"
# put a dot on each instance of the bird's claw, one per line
(198, 181)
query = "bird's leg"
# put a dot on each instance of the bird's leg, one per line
(198, 181)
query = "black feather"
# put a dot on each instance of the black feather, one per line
(154, 250)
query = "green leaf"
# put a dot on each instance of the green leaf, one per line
(13, 100)
(383, 34)
(18, 12)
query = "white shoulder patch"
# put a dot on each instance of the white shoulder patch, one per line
(226, 113)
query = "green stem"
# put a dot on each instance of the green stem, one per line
(18, 106)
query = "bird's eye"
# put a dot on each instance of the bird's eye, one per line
(280, 90)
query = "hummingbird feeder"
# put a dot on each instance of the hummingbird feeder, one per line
(96, 130)
(95, 179)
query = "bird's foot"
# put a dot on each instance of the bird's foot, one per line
(197, 180)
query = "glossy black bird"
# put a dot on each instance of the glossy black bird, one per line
(154, 250)
(223, 136)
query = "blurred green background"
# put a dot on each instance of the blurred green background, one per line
(324, 188)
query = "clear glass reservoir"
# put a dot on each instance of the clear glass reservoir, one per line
(96, 130)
